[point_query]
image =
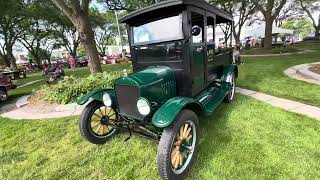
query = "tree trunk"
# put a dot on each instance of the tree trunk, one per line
(237, 38)
(12, 60)
(5, 60)
(268, 33)
(87, 38)
(317, 33)
(36, 58)
(74, 50)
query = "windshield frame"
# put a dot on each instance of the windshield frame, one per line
(160, 40)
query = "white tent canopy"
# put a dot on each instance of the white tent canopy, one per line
(258, 32)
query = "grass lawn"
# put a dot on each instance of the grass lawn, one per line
(278, 50)
(265, 74)
(244, 140)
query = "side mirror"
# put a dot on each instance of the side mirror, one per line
(196, 30)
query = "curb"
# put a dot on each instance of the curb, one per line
(301, 72)
(285, 104)
(283, 54)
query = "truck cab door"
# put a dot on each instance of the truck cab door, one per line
(197, 53)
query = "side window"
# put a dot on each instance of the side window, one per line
(197, 20)
(223, 35)
(210, 29)
(210, 41)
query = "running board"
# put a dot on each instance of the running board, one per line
(213, 96)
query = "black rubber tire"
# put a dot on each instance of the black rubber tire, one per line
(2, 92)
(166, 142)
(229, 97)
(85, 129)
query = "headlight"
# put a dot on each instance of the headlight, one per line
(143, 106)
(107, 101)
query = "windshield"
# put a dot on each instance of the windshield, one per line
(166, 29)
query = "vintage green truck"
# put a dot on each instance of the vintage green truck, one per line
(178, 73)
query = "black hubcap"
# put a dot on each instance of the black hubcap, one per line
(104, 120)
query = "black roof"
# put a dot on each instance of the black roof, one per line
(171, 3)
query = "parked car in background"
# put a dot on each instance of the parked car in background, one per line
(62, 61)
(5, 86)
(82, 61)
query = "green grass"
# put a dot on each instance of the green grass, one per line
(245, 140)
(265, 74)
(278, 50)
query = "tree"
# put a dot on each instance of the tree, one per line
(11, 14)
(66, 33)
(128, 5)
(270, 9)
(78, 13)
(302, 27)
(242, 11)
(37, 29)
(105, 33)
(310, 6)
(289, 12)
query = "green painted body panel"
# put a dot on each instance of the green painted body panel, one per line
(156, 84)
(214, 95)
(208, 100)
(96, 95)
(198, 69)
(227, 70)
(168, 111)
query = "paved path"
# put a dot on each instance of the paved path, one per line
(283, 54)
(285, 104)
(29, 83)
(301, 72)
(25, 113)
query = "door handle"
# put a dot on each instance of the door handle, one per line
(199, 49)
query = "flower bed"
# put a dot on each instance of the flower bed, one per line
(315, 68)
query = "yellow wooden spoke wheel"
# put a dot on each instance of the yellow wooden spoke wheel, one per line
(182, 146)
(178, 145)
(102, 120)
(97, 122)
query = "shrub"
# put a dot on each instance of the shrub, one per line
(71, 88)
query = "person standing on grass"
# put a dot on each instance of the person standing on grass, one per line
(72, 62)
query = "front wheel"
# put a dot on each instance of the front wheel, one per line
(178, 146)
(96, 123)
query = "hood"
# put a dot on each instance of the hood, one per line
(147, 77)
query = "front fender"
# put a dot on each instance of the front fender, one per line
(96, 95)
(168, 111)
(227, 70)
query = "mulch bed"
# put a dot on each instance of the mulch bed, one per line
(315, 68)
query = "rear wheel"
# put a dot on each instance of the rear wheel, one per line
(230, 96)
(96, 123)
(178, 146)
(3, 95)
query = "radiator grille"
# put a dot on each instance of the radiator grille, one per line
(127, 100)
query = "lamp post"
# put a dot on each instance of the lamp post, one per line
(319, 21)
(119, 33)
